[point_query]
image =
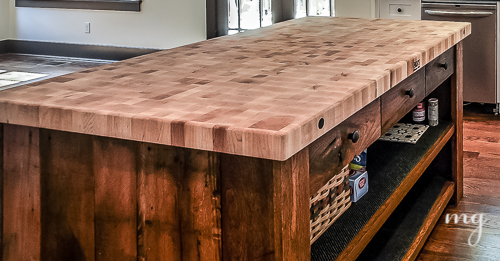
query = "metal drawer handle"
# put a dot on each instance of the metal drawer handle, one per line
(444, 65)
(354, 136)
(452, 13)
(410, 93)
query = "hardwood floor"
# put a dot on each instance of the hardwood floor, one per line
(481, 195)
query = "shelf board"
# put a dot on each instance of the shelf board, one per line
(393, 169)
(405, 232)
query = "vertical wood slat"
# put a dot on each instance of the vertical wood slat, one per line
(21, 197)
(457, 118)
(199, 206)
(115, 199)
(265, 206)
(67, 196)
(159, 234)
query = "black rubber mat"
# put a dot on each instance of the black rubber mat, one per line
(394, 239)
(388, 165)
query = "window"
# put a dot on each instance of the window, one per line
(305, 8)
(117, 5)
(248, 14)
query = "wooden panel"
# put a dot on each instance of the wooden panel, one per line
(457, 161)
(437, 209)
(247, 207)
(439, 70)
(199, 206)
(67, 189)
(396, 103)
(115, 199)
(293, 207)
(265, 208)
(330, 153)
(21, 194)
(159, 233)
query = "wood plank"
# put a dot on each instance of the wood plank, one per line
(265, 206)
(159, 233)
(199, 206)
(457, 144)
(115, 199)
(67, 195)
(248, 228)
(357, 244)
(292, 209)
(21, 197)
(431, 220)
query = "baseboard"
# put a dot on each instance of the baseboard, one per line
(72, 50)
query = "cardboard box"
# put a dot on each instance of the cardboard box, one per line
(359, 185)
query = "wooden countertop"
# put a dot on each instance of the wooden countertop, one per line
(261, 93)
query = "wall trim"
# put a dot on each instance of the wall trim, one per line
(115, 5)
(72, 50)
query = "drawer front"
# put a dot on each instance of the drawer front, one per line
(332, 151)
(398, 101)
(439, 70)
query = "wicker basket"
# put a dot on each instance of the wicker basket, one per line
(329, 203)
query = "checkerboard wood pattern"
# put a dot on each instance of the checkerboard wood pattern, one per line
(260, 93)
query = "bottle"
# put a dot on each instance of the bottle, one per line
(419, 113)
(433, 112)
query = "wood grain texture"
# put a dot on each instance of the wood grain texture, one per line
(324, 67)
(435, 72)
(67, 191)
(159, 234)
(437, 209)
(332, 151)
(359, 242)
(21, 194)
(265, 208)
(396, 103)
(457, 111)
(199, 206)
(114, 164)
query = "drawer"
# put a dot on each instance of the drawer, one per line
(336, 148)
(439, 70)
(403, 97)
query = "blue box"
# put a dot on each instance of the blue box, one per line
(358, 184)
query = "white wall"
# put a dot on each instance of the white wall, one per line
(4, 19)
(160, 24)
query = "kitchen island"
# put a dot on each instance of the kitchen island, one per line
(213, 150)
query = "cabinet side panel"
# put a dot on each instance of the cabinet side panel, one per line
(159, 233)
(21, 201)
(248, 223)
(67, 196)
(294, 206)
(115, 199)
(457, 113)
(199, 206)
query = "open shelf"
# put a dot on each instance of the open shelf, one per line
(393, 169)
(404, 233)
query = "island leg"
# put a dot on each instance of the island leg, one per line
(265, 208)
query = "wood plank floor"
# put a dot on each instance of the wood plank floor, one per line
(481, 195)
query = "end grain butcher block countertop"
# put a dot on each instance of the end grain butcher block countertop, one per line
(260, 93)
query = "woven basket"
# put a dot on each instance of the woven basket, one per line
(329, 203)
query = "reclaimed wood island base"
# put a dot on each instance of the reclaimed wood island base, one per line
(212, 151)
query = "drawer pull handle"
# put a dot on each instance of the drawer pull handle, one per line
(443, 65)
(354, 136)
(410, 93)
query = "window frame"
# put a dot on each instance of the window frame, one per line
(114, 5)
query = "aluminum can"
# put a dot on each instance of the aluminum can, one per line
(433, 111)
(419, 113)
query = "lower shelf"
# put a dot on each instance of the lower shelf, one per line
(404, 233)
(393, 169)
